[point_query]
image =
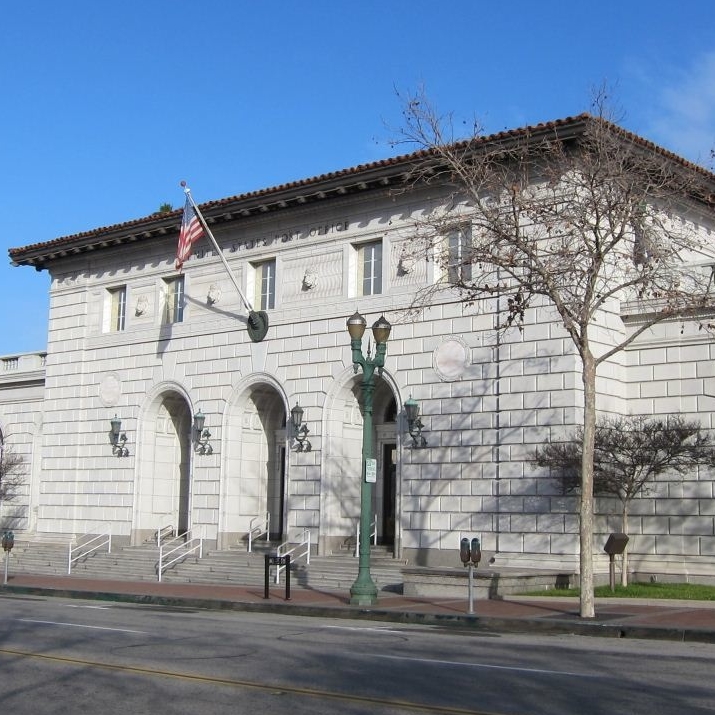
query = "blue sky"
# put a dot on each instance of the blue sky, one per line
(107, 106)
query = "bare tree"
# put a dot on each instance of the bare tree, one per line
(12, 474)
(629, 452)
(576, 215)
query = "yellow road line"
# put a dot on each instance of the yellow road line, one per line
(294, 690)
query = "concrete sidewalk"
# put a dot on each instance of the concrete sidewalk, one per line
(692, 621)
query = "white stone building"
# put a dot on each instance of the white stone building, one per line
(131, 337)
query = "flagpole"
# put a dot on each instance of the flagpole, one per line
(206, 228)
(257, 320)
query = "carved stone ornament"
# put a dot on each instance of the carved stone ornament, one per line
(142, 305)
(405, 265)
(310, 279)
(214, 294)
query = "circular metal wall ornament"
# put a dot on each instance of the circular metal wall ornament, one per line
(257, 325)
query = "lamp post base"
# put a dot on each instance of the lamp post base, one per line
(363, 593)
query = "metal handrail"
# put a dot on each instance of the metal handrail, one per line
(162, 531)
(262, 527)
(187, 545)
(373, 535)
(283, 550)
(81, 550)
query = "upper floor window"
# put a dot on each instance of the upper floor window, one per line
(114, 310)
(264, 285)
(369, 268)
(457, 259)
(117, 308)
(173, 300)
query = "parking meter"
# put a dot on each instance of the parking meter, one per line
(476, 551)
(464, 552)
(8, 541)
(470, 554)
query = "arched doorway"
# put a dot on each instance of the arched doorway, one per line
(385, 493)
(342, 465)
(255, 462)
(164, 480)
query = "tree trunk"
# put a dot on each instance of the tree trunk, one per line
(624, 556)
(587, 608)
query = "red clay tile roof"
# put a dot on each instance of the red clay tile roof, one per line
(363, 176)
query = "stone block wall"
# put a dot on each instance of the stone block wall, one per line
(486, 402)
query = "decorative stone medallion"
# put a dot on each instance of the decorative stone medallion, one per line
(450, 358)
(110, 389)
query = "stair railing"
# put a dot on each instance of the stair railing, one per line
(373, 535)
(87, 544)
(164, 531)
(298, 550)
(177, 549)
(257, 527)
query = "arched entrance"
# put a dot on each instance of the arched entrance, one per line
(164, 480)
(342, 465)
(385, 493)
(255, 462)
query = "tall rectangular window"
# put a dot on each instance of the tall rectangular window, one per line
(265, 285)
(458, 258)
(117, 308)
(173, 298)
(369, 267)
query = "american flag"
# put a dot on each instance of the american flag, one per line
(191, 231)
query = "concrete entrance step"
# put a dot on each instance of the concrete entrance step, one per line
(236, 566)
(240, 567)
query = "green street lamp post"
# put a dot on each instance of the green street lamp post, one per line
(364, 592)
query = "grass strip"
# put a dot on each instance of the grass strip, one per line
(680, 591)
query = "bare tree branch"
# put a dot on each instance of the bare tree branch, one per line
(629, 453)
(12, 473)
(578, 215)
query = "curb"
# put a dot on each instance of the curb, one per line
(475, 623)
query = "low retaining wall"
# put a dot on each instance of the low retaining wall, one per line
(488, 583)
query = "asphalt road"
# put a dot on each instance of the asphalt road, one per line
(62, 656)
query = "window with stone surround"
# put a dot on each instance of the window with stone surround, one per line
(457, 266)
(262, 284)
(115, 309)
(369, 268)
(172, 300)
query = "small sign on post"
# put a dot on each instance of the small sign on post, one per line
(615, 546)
(276, 560)
(371, 470)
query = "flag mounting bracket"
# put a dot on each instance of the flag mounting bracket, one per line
(257, 325)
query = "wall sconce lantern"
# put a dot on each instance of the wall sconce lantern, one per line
(117, 438)
(300, 429)
(201, 435)
(414, 423)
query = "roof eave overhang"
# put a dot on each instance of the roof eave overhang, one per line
(382, 175)
(218, 212)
